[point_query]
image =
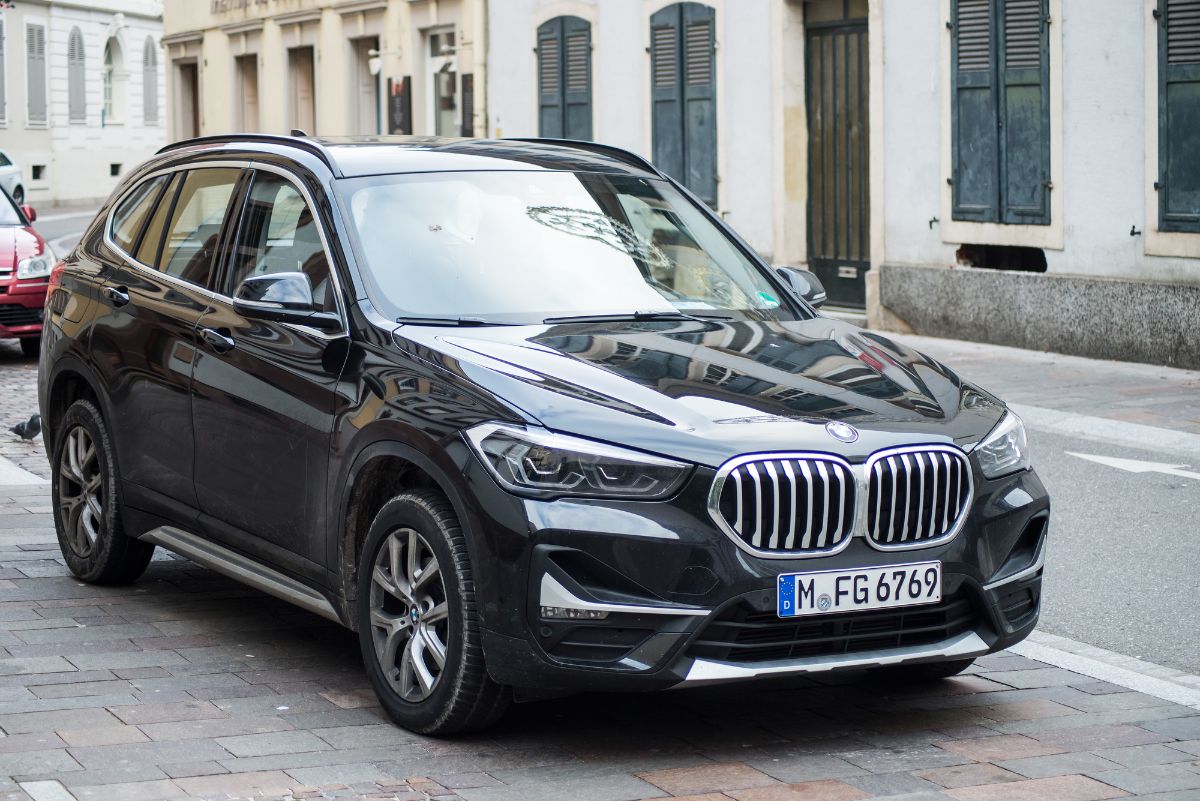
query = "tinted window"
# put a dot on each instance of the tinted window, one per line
(280, 235)
(131, 214)
(147, 252)
(195, 226)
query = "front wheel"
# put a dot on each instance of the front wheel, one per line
(418, 623)
(85, 490)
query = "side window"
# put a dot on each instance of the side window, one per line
(130, 216)
(147, 249)
(279, 235)
(190, 242)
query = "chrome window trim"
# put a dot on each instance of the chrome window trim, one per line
(343, 315)
(723, 473)
(861, 474)
(955, 453)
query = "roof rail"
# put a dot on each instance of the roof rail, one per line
(618, 153)
(309, 145)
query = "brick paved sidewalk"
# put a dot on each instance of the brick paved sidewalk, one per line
(186, 685)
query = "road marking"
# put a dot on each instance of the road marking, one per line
(1138, 675)
(11, 475)
(1137, 465)
(1114, 432)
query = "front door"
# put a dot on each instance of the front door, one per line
(839, 247)
(263, 392)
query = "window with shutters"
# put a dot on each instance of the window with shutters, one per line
(35, 74)
(564, 75)
(150, 82)
(76, 78)
(683, 94)
(1179, 115)
(1000, 115)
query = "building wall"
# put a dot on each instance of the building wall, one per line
(214, 33)
(79, 159)
(1102, 114)
(747, 91)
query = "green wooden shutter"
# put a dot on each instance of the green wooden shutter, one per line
(1025, 113)
(666, 101)
(549, 58)
(576, 80)
(1179, 115)
(1000, 117)
(700, 98)
(683, 96)
(974, 113)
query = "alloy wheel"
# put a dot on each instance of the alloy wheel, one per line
(410, 617)
(80, 490)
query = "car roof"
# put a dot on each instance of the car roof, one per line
(354, 156)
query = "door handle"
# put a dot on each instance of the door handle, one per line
(221, 343)
(117, 295)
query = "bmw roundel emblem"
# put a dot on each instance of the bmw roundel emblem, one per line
(842, 432)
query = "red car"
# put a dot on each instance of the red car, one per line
(25, 263)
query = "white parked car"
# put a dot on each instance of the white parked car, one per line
(10, 178)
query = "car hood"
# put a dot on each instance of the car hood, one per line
(708, 391)
(17, 242)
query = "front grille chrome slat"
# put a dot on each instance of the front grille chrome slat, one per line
(796, 505)
(931, 482)
(803, 504)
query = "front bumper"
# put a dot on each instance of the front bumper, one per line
(21, 312)
(652, 595)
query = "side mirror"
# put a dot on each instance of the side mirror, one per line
(283, 298)
(30, 214)
(804, 284)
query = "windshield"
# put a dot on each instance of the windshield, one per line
(8, 211)
(528, 246)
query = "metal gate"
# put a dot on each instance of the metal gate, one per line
(839, 246)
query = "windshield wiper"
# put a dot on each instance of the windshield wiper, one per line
(637, 316)
(461, 322)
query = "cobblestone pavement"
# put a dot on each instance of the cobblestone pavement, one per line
(186, 685)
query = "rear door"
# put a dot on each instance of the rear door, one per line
(264, 392)
(144, 336)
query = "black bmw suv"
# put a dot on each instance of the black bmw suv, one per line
(528, 417)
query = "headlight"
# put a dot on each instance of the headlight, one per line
(36, 266)
(1005, 449)
(539, 463)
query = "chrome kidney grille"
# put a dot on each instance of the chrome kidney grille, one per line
(792, 503)
(916, 495)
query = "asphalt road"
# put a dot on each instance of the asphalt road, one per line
(1123, 566)
(63, 228)
(1123, 569)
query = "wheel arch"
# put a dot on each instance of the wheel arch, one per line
(379, 471)
(70, 379)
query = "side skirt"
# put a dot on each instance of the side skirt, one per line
(241, 568)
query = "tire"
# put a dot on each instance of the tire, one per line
(18, 195)
(31, 347)
(458, 696)
(922, 671)
(85, 490)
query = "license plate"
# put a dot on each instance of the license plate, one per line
(825, 592)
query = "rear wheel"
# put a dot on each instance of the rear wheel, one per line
(86, 510)
(30, 346)
(418, 624)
